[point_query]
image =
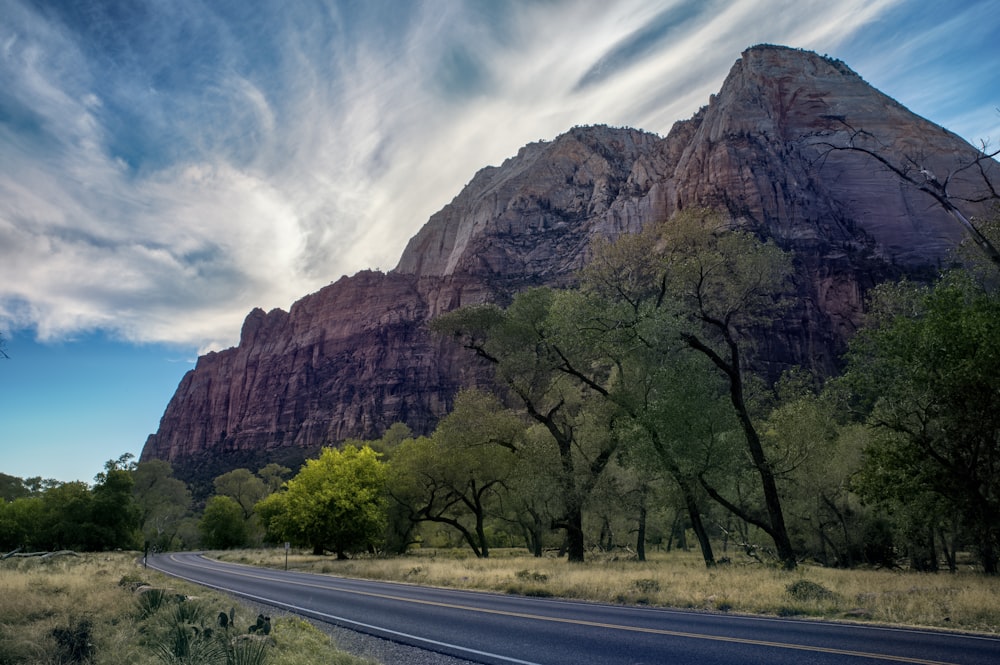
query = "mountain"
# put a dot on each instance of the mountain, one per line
(795, 146)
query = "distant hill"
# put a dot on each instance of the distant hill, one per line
(355, 357)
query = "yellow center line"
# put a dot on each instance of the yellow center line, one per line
(597, 624)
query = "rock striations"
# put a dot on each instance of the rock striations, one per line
(774, 148)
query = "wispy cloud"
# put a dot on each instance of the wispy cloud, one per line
(168, 168)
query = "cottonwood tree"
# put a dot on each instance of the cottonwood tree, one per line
(273, 475)
(20, 521)
(456, 476)
(116, 515)
(222, 525)
(518, 343)
(725, 283)
(163, 502)
(534, 500)
(12, 487)
(668, 400)
(927, 363)
(335, 503)
(695, 284)
(817, 453)
(247, 490)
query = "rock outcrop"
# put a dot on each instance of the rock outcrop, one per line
(786, 148)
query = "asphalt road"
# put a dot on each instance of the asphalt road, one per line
(498, 629)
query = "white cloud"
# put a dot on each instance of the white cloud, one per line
(320, 150)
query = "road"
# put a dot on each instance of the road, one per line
(498, 629)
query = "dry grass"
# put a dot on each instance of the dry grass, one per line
(965, 601)
(77, 609)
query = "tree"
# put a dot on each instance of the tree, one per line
(65, 520)
(163, 502)
(115, 514)
(336, 502)
(20, 523)
(977, 172)
(517, 342)
(622, 320)
(455, 476)
(692, 283)
(73, 515)
(273, 475)
(726, 283)
(222, 525)
(534, 499)
(243, 487)
(12, 487)
(817, 454)
(927, 365)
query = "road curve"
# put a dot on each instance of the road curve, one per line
(500, 630)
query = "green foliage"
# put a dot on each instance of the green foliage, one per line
(163, 502)
(243, 487)
(808, 590)
(185, 631)
(527, 345)
(336, 502)
(72, 515)
(926, 369)
(457, 476)
(12, 487)
(116, 517)
(149, 601)
(223, 526)
(247, 490)
(648, 351)
(21, 522)
(273, 475)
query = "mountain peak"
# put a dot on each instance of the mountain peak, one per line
(773, 150)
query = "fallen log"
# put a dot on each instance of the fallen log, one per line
(44, 555)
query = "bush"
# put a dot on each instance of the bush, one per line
(806, 590)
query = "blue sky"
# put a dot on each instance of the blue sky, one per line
(167, 165)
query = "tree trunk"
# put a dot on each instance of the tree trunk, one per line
(731, 369)
(481, 534)
(700, 532)
(640, 539)
(573, 525)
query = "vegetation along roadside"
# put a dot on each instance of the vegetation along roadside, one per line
(679, 579)
(105, 609)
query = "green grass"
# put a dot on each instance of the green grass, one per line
(963, 601)
(104, 609)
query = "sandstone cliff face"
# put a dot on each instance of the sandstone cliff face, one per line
(355, 357)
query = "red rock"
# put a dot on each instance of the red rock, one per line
(355, 357)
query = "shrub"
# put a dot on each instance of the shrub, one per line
(531, 576)
(806, 590)
(75, 643)
(646, 585)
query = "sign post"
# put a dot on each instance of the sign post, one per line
(287, 546)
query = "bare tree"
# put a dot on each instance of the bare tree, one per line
(909, 169)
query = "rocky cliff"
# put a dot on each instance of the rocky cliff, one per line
(787, 147)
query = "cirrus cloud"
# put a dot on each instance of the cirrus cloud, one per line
(168, 166)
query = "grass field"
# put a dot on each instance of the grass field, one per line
(105, 609)
(963, 601)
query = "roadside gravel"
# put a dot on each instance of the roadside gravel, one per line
(382, 651)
